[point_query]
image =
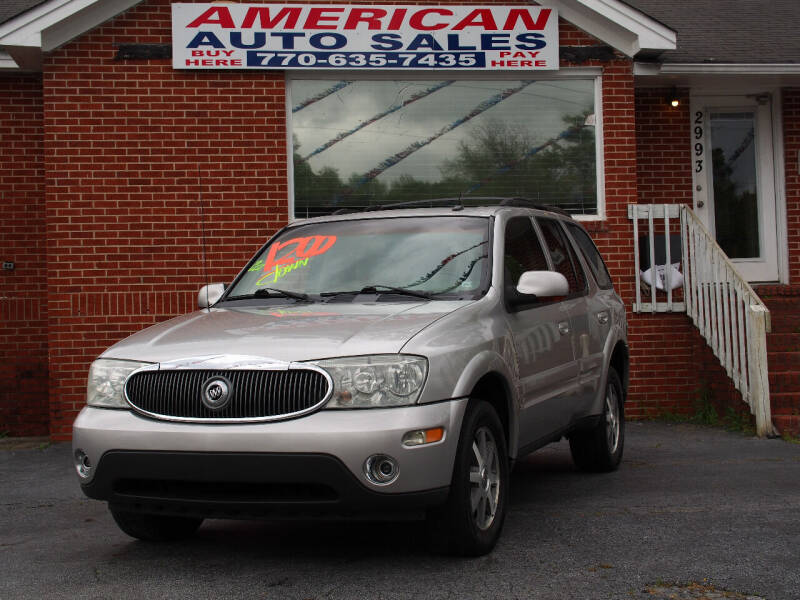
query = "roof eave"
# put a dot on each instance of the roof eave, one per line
(655, 69)
(7, 63)
(52, 24)
(56, 22)
(623, 27)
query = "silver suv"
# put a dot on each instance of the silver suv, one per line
(366, 363)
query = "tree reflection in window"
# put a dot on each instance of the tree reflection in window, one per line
(733, 159)
(395, 141)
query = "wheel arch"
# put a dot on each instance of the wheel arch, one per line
(620, 360)
(487, 376)
(494, 389)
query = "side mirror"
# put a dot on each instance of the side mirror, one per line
(209, 294)
(533, 286)
(543, 284)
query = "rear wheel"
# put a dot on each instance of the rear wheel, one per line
(471, 521)
(155, 528)
(600, 449)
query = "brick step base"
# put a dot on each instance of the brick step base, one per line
(785, 323)
(783, 351)
(784, 308)
(777, 292)
(784, 382)
(787, 424)
(783, 361)
(784, 403)
(783, 342)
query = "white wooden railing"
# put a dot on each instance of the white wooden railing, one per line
(722, 305)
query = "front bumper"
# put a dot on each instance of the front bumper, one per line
(237, 485)
(311, 463)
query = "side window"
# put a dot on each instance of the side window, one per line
(564, 259)
(523, 251)
(592, 256)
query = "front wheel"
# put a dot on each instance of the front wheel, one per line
(155, 528)
(472, 519)
(600, 449)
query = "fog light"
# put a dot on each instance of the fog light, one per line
(381, 469)
(423, 436)
(82, 464)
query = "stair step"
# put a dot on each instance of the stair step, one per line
(785, 322)
(783, 362)
(783, 341)
(784, 382)
(784, 403)
(776, 292)
(787, 424)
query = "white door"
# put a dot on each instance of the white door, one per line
(734, 180)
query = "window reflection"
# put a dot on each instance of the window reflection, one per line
(735, 191)
(360, 143)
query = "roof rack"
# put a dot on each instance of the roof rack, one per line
(526, 203)
(458, 203)
(431, 203)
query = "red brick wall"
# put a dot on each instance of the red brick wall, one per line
(791, 140)
(23, 304)
(663, 374)
(130, 145)
(647, 160)
(127, 142)
(664, 161)
(674, 369)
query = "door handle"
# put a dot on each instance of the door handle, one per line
(563, 327)
(602, 317)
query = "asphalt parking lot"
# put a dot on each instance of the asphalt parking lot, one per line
(692, 513)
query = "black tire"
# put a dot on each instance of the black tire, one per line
(156, 528)
(469, 524)
(599, 450)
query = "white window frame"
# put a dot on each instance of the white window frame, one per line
(593, 73)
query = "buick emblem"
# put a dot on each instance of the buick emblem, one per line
(217, 393)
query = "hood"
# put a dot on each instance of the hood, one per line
(295, 332)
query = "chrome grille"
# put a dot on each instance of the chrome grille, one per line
(257, 395)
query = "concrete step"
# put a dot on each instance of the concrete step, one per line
(787, 424)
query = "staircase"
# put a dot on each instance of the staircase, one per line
(726, 310)
(783, 352)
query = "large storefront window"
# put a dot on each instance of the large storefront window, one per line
(365, 142)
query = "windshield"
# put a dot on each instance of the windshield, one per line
(446, 257)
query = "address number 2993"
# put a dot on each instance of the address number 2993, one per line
(698, 141)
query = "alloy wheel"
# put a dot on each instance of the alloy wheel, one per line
(612, 419)
(484, 478)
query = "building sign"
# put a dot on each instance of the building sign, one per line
(315, 36)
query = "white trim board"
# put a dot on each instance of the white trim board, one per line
(654, 69)
(7, 63)
(618, 24)
(53, 24)
(56, 22)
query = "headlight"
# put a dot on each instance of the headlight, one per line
(375, 381)
(107, 380)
